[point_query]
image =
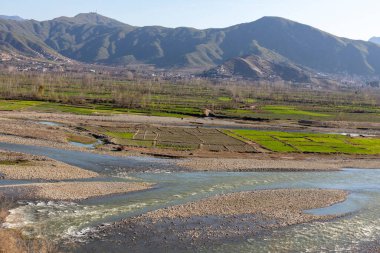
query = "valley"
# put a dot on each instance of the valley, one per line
(258, 137)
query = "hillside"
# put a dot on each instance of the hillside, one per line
(92, 38)
(263, 64)
(375, 40)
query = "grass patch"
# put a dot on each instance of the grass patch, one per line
(126, 138)
(80, 139)
(276, 146)
(315, 149)
(121, 135)
(225, 99)
(289, 110)
(234, 135)
(14, 162)
(133, 143)
(15, 105)
(94, 109)
(250, 100)
(159, 113)
(80, 110)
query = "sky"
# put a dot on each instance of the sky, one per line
(355, 19)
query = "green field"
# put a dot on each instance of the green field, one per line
(290, 110)
(311, 142)
(88, 109)
(81, 139)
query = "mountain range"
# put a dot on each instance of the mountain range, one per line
(270, 46)
(16, 18)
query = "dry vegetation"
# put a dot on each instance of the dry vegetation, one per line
(4, 207)
(13, 241)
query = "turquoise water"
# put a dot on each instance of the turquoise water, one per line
(70, 219)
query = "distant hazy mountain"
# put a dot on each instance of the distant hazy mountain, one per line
(16, 18)
(375, 40)
(272, 43)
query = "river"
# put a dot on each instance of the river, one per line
(174, 186)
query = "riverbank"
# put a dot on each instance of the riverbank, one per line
(214, 220)
(19, 166)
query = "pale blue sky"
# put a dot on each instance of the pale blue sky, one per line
(356, 19)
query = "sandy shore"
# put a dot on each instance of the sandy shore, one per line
(316, 164)
(71, 191)
(20, 166)
(212, 221)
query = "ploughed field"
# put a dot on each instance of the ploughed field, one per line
(174, 138)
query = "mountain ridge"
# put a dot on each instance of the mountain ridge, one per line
(93, 38)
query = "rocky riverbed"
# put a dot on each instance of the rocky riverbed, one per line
(213, 220)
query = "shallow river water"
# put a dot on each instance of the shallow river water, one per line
(64, 219)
